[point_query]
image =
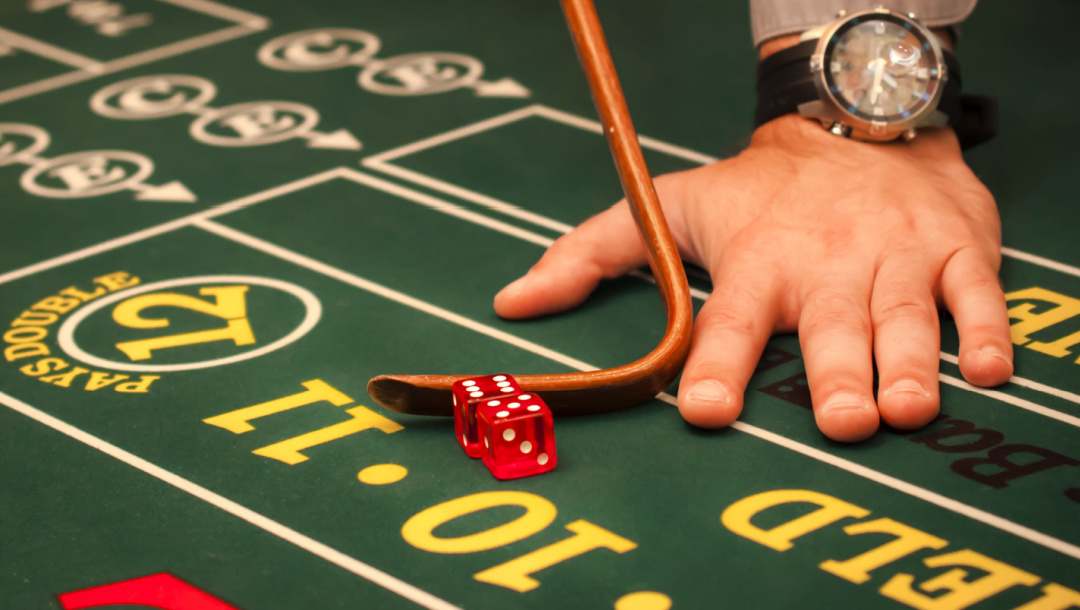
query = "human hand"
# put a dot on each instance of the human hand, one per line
(853, 245)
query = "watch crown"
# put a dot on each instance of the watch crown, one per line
(840, 129)
(909, 134)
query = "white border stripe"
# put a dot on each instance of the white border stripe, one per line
(387, 293)
(41, 86)
(245, 23)
(966, 510)
(172, 225)
(456, 134)
(440, 205)
(921, 493)
(1041, 261)
(1012, 400)
(177, 48)
(221, 11)
(180, 47)
(49, 51)
(492, 203)
(646, 141)
(343, 561)
(1026, 383)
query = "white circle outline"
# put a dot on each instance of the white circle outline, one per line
(313, 312)
(100, 102)
(473, 70)
(39, 136)
(309, 118)
(29, 178)
(371, 44)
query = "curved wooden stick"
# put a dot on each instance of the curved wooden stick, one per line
(622, 386)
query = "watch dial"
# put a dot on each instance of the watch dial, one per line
(881, 68)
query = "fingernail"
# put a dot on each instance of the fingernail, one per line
(845, 401)
(907, 386)
(710, 391)
(989, 351)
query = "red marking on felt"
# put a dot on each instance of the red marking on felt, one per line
(161, 590)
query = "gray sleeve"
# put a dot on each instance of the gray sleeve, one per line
(770, 18)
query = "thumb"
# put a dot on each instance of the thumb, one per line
(605, 246)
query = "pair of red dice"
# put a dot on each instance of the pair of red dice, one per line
(510, 429)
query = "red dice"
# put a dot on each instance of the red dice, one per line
(518, 435)
(468, 395)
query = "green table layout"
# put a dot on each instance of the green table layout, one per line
(219, 219)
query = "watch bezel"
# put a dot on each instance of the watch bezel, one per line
(864, 127)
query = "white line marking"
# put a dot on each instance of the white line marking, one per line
(503, 207)
(172, 225)
(646, 141)
(123, 63)
(334, 556)
(387, 293)
(380, 162)
(456, 134)
(491, 203)
(222, 11)
(41, 86)
(423, 306)
(445, 207)
(180, 47)
(1042, 261)
(1026, 383)
(960, 508)
(1012, 400)
(49, 51)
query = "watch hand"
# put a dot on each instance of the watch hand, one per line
(890, 81)
(879, 73)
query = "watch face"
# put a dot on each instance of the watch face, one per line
(881, 67)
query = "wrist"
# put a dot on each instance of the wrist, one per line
(805, 137)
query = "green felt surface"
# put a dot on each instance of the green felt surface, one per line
(401, 245)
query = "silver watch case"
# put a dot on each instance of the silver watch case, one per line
(837, 119)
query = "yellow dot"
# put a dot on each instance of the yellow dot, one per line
(382, 474)
(643, 600)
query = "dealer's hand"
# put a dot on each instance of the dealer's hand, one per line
(853, 245)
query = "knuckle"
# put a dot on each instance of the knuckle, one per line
(823, 385)
(985, 284)
(904, 306)
(726, 319)
(827, 310)
(996, 332)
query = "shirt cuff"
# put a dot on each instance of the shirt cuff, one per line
(772, 18)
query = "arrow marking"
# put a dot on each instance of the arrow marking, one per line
(505, 87)
(174, 191)
(336, 140)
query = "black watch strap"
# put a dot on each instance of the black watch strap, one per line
(784, 81)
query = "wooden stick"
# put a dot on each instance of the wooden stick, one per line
(628, 384)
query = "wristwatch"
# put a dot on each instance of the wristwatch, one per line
(874, 75)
